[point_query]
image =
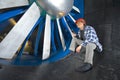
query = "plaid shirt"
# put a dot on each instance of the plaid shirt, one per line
(90, 37)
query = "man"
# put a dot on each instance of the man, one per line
(85, 38)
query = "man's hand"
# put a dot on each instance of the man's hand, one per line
(78, 49)
(73, 34)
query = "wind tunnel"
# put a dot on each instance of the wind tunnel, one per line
(37, 31)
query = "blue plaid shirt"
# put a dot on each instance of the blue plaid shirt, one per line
(90, 37)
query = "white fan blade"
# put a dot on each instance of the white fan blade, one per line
(72, 18)
(12, 3)
(19, 32)
(61, 35)
(76, 9)
(47, 38)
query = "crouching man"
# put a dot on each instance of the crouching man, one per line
(87, 38)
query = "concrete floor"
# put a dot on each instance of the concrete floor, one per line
(106, 67)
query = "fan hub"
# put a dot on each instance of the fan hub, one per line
(56, 8)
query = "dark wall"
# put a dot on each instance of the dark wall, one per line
(104, 16)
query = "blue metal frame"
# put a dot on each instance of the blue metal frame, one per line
(12, 13)
(53, 37)
(40, 29)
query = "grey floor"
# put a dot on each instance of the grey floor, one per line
(106, 67)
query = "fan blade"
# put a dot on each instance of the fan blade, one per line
(61, 35)
(72, 18)
(12, 3)
(47, 38)
(76, 9)
(19, 32)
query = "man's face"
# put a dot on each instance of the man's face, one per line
(80, 25)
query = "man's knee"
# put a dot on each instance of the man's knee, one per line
(91, 45)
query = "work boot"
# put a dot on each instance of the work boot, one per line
(84, 68)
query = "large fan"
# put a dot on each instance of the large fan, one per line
(54, 21)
